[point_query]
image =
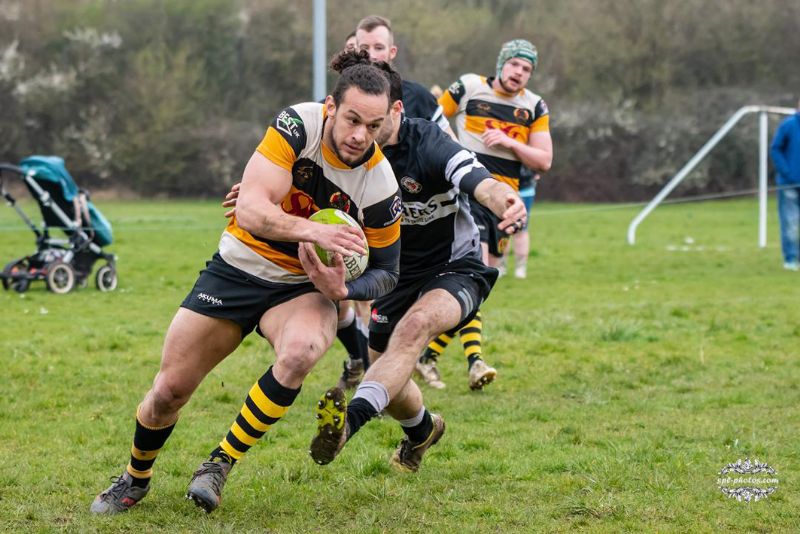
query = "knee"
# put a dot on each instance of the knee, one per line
(299, 357)
(169, 395)
(415, 324)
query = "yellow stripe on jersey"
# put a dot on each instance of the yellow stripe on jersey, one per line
(332, 159)
(478, 125)
(542, 124)
(275, 148)
(383, 237)
(290, 263)
(377, 157)
(267, 406)
(513, 182)
(449, 106)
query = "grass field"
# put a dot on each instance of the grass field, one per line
(628, 376)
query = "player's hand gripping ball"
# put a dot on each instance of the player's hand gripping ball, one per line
(354, 265)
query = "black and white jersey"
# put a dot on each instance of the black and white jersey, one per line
(419, 103)
(436, 177)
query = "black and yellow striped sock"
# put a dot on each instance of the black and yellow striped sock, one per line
(437, 346)
(266, 403)
(147, 442)
(471, 339)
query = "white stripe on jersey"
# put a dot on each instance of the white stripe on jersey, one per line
(455, 171)
(437, 207)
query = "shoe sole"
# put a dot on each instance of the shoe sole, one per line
(331, 411)
(485, 379)
(202, 503)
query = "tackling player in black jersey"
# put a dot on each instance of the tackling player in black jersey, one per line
(442, 281)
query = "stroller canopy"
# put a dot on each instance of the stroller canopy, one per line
(52, 174)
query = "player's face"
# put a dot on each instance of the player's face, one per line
(350, 44)
(515, 74)
(378, 43)
(391, 124)
(355, 123)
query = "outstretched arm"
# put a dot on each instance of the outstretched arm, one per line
(503, 202)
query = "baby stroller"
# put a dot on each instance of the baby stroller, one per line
(61, 263)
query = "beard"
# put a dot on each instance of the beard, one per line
(351, 161)
(505, 87)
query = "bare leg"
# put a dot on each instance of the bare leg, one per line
(300, 330)
(194, 345)
(437, 311)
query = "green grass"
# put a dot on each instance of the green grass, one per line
(628, 376)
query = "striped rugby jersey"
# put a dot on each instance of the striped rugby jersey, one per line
(367, 192)
(478, 107)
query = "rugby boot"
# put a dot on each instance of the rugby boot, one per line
(408, 455)
(119, 497)
(205, 489)
(428, 371)
(331, 413)
(351, 375)
(481, 374)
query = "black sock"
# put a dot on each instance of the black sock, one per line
(354, 341)
(420, 432)
(219, 454)
(359, 412)
(471, 359)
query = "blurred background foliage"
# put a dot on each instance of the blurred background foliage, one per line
(170, 97)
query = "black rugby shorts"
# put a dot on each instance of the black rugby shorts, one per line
(467, 279)
(225, 292)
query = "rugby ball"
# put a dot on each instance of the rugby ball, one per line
(355, 265)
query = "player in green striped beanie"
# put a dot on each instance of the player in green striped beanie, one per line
(517, 48)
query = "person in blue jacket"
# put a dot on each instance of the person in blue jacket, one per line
(785, 152)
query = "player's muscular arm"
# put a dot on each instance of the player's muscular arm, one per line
(264, 184)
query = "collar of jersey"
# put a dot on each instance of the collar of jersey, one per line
(333, 160)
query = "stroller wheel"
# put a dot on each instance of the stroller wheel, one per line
(106, 278)
(17, 283)
(60, 277)
(20, 285)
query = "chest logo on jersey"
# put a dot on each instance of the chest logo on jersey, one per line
(298, 203)
(515, 132)
(303, 173)
(483, 106)
(340, 201)
(523, 116)
(288, 124)
(410, 185)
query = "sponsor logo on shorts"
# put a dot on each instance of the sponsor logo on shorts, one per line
(377, 317)
(410, 185)
(209, 299)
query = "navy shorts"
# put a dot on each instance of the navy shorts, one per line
(487, 222)
(225, 292)
(467, 279)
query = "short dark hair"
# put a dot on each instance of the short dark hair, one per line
(375, 21)
(357, 70)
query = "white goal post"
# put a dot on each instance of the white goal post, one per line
(762, 111)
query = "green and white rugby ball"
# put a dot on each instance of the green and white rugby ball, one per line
(355, 265)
